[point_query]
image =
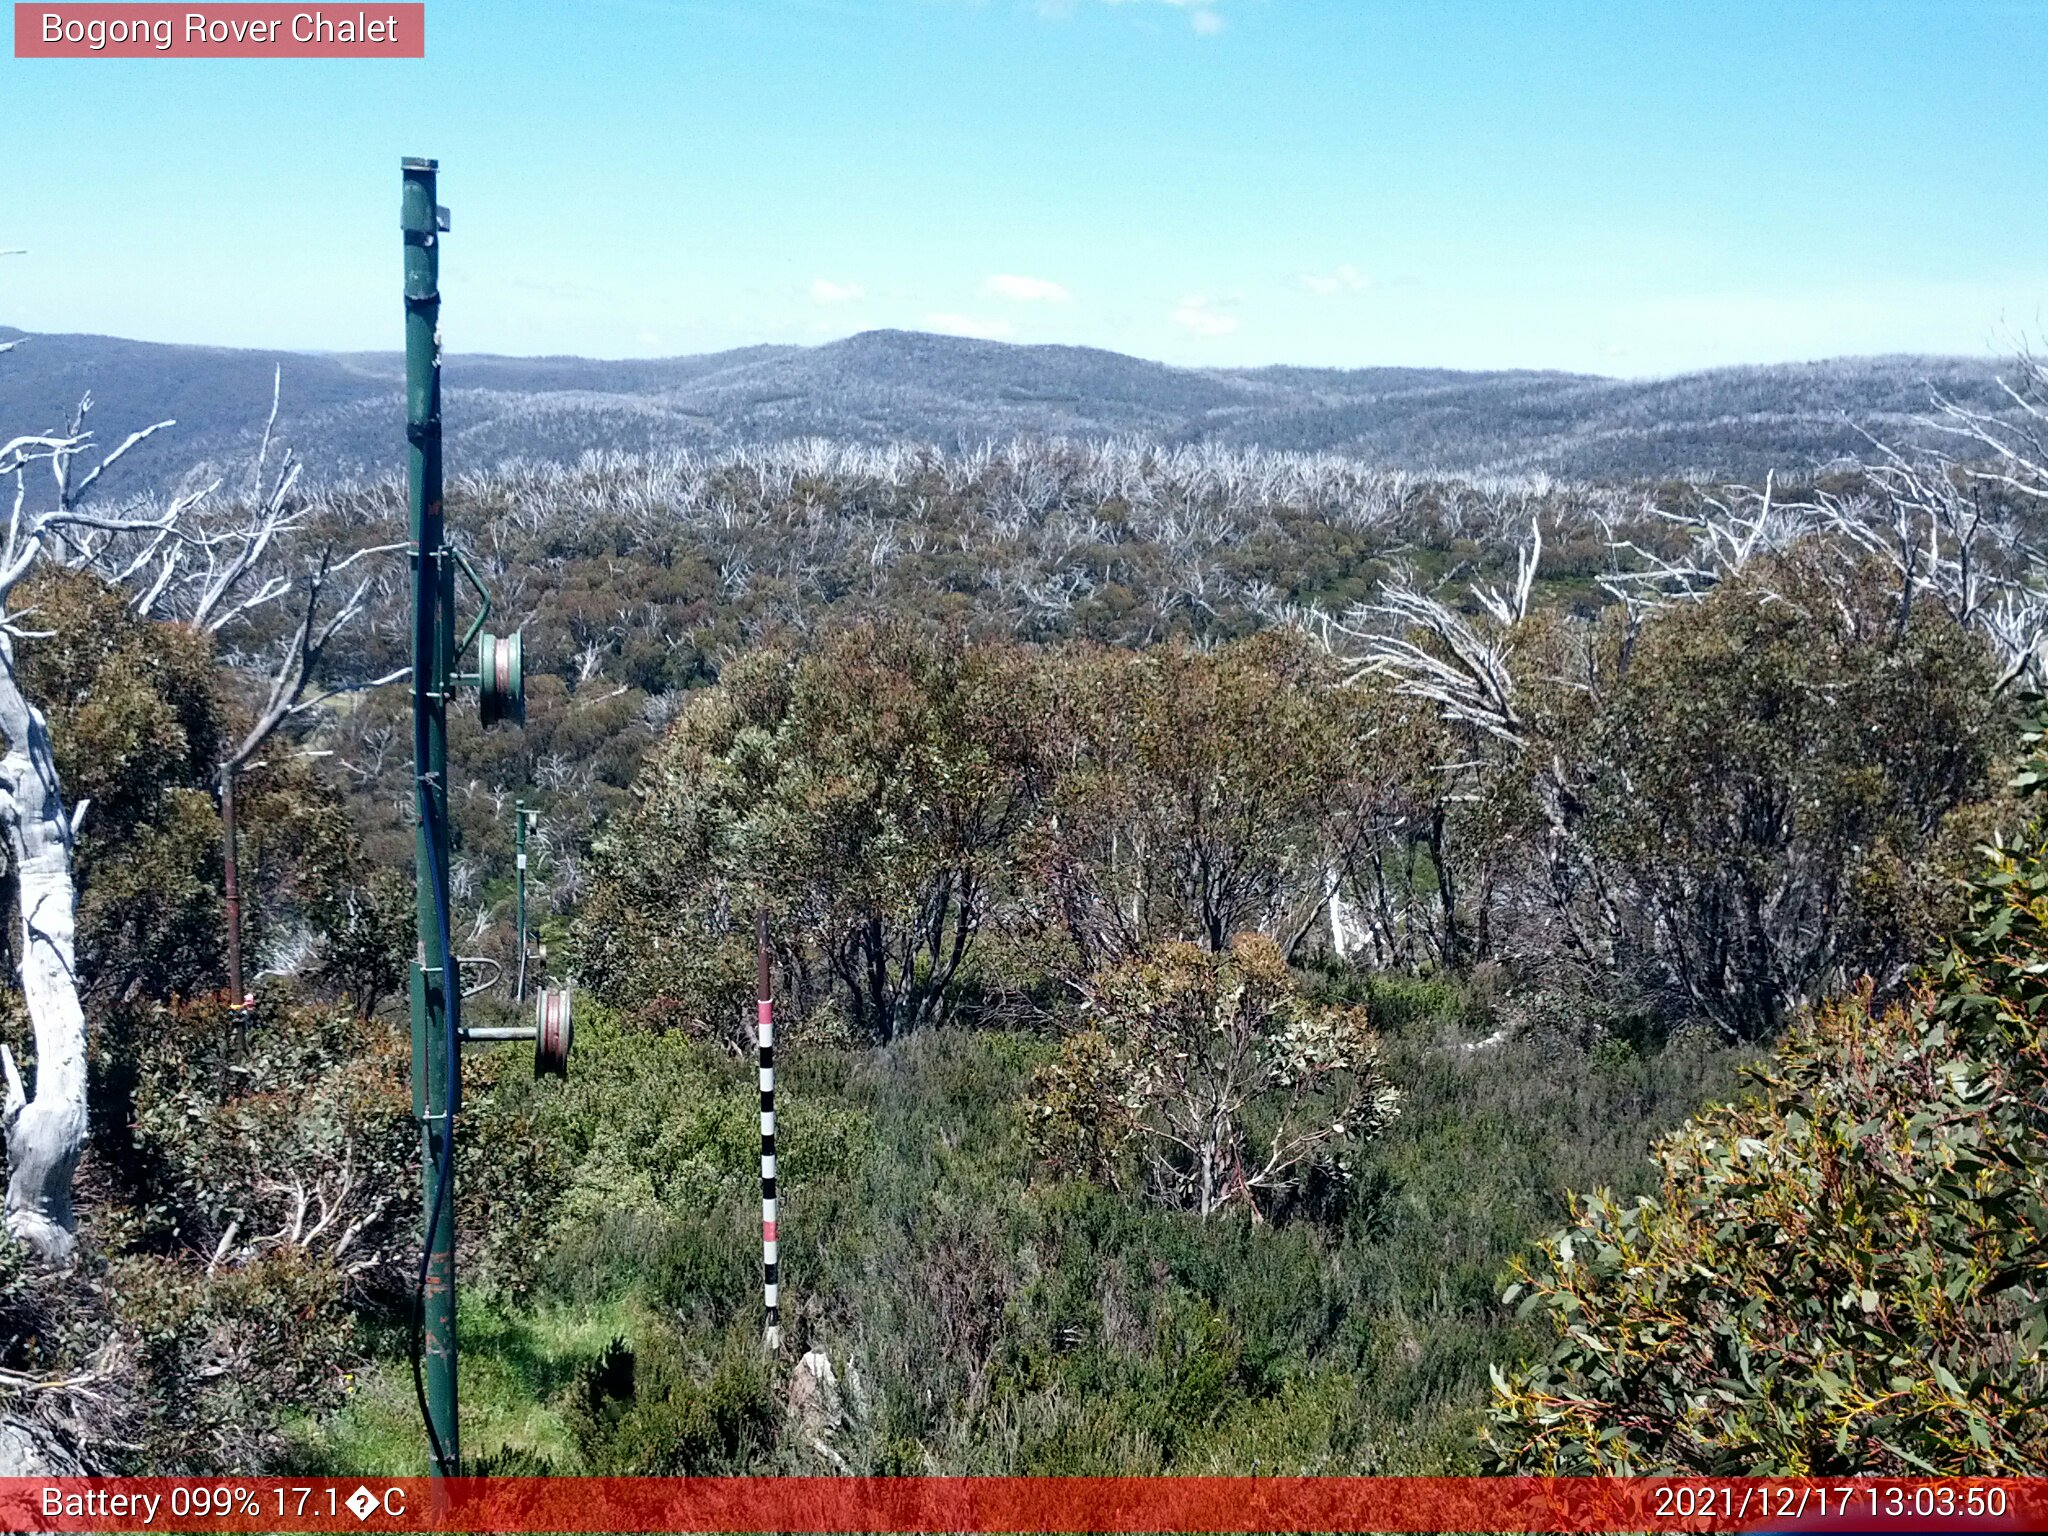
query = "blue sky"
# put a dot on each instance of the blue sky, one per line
(1618, 186)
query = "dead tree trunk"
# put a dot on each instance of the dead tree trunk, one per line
(171, 561)
(46, 1133)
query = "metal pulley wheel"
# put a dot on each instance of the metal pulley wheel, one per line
(553, 1030)
(501, 679)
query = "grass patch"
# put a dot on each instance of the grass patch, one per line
(517, 1367)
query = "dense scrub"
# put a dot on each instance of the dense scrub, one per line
(1753, 806)
(1060, 797)
(248, 1175)
(984, 1315)
(638, 580)
(1847, 1272)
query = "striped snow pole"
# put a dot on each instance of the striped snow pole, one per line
(765, 1017)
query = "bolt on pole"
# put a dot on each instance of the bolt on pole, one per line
(435, 991)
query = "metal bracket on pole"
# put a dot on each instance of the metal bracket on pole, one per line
(483, 611)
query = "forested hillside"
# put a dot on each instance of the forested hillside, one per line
(1227, 909)
(883, 388)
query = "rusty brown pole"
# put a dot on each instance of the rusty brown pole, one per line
(230, 868)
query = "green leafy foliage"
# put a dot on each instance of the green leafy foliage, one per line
(259, 1191)
(1752, 799)
(136, 727)
(1197, 795)
(293, 1130)
(247, 1177)
(640, 584)
(654, 1125)
(865, 794)
(962, 810)
(983, 1316)
(139, 713)
(220, 1360)
(1846, 1273)
(642, 1410)
(1770, 781)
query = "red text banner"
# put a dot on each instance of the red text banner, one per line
(991, 1504)
(237, 31)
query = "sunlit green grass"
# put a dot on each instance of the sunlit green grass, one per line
(514, 1369)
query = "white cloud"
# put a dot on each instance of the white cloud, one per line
(1203, 318)
(1346, 279)
(1203, 15)
(969, 325)
(825, 292)
(1025, 290)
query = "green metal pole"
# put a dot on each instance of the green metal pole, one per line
(434, 992)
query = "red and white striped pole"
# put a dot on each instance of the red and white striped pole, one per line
(765, 1017)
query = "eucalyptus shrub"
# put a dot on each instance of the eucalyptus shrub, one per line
(1846, 1274)
(1218, 1075)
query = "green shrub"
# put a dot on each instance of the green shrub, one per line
(224, 1356)
(866, 793)
(650, 1124)
(1219, 1074)
(298, 1135)
(1847, 1273)
(1766, 784)
(642, 1409)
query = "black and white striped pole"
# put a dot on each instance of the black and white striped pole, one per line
(765, 1025)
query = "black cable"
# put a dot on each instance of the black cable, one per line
(432, 828)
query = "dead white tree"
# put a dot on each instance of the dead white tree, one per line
(2010, 447)
(1436, 654)
(179, 560)
(1948, 528)
(1955, 526)
(1731, 533)
(1949, 524)
(1459, 668)
(46, 1131)
(293, 692)
(325, 1216)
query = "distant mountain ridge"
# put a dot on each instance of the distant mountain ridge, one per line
(343, 410)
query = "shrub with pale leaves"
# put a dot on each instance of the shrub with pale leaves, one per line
(1212, 1079)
